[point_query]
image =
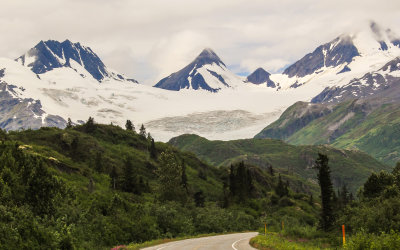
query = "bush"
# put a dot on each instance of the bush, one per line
(363, 240)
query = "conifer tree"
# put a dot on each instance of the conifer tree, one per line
(184, 177)
(232, 181)
(69, 123)
(75, 148)
(280, 189)
(98, 163)
(142, 131)
(199, 199)
(311, 200)
(89, 125)
(271, 170)
(153, 151)
(129, 177)
(149, 137)
(325, 183)
(129, 125)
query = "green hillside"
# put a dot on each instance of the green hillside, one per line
(361, 125)
(350, 167)
(96, 186)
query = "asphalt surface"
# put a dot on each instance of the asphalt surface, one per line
(238, 241)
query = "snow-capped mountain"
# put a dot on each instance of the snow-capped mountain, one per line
(206, 72)
(54, 81)
(260, 76)
(49, 55)
(335, 53)
(347, 57)
(383, 83)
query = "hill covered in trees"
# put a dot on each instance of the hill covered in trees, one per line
(349, 167)
(97, 186)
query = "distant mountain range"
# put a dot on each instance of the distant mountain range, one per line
(55, 80)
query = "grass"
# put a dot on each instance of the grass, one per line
(277, 241)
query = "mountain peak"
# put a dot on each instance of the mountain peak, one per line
(261, 76)
(207, 52)
(206, 72)
(208, 56)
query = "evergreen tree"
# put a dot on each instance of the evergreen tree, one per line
(75, 154)
(142, 131)
(344, 196)
(311, 200)
(184, 177)
(141, 186)
(287, 188)
(240, 182)
(98, 163)
(149, 138)
(199, 199)
(129, 177)
(129, 125)
(325, 183)
(153, 151)
(271, 170)
(232, 181)
(280, 188)
(89, 125)
(69, 123)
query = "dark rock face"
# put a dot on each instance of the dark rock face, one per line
(371, 84)
(383, 45)
(180, 80)
(339, 51)
(53, 54)
(345, 69)
(23, 113)
(260, 76)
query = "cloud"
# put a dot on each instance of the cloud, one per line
(150, 39)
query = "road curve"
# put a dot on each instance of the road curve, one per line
(238, 241)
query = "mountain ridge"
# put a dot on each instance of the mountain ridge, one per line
(51, 54)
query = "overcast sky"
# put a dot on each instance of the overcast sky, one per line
(150, 39)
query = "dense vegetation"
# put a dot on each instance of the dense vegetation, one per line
(349, 167)
(372, 221)
(96, 186)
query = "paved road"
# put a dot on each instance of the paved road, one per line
(223, 242)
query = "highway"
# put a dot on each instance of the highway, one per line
(239, 241)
